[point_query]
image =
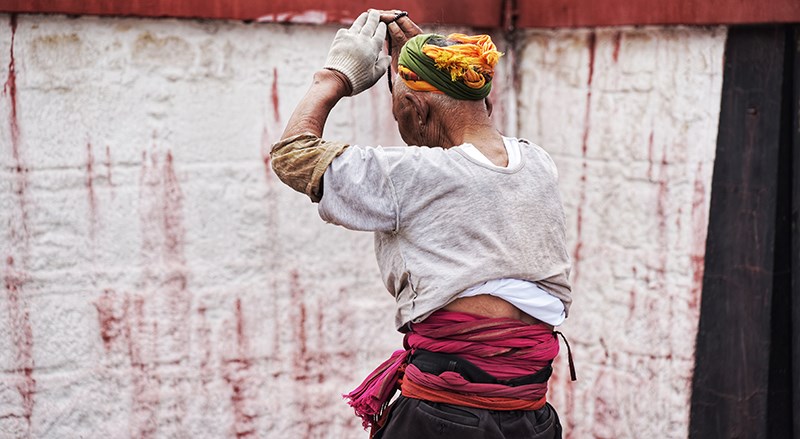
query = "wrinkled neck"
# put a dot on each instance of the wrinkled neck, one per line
(464, 124)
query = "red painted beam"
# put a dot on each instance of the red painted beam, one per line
(590, 13)
(476, 13)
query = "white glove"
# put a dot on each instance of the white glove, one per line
(356, 52)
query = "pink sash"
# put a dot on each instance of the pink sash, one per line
(503, 347)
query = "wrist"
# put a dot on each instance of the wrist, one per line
(334, 80)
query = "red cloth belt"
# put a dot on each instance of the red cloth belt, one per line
(504, 347)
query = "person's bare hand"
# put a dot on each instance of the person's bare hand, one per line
(400, 30)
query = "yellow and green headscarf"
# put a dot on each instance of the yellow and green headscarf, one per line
(462, 71)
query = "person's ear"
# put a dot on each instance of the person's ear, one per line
(489, 106)
(420, 106)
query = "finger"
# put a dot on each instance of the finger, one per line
(410, 29)
(389, 16)
(373, 19)
(398, 39)
(397, 35)
(340, 32)
(380, 34)
(359, 23)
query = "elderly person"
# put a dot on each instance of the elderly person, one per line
(469, 233)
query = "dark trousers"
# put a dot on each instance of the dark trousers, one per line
(416, 419)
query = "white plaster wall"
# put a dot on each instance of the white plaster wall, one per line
(630, 118)
(159, 281)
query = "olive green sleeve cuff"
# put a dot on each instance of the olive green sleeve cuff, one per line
(300, 162)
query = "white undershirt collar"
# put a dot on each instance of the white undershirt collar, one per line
(512, 149)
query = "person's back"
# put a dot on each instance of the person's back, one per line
(446, 221)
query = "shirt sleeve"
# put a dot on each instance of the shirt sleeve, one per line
(300, 162)
(358, 190)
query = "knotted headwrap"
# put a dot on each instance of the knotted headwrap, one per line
(462, 71)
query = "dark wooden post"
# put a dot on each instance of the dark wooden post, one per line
(730, 397)
(795, 255)
(779, 397)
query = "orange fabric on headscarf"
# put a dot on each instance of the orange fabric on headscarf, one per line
(472, 60)
(463, 70)
(414, 82)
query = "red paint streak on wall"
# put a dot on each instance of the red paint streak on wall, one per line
(173, 290)
(587, 113)
(277, 319)
(576, 254)
(163, 247)
(22, 338)
(238, 374)
(14, 276)
(661, 204)
(204, 339)
(632, 302)
(700, 230)
(276, 107)
(173, 217)
(300, 357)
(112, 324)
(661, 213)
(145, 398)
(603, 391)
(90, 191)
(163, 336)
(698, 269)
(299, 324)
(10, 90)
(617, 44)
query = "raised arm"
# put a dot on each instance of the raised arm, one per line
(354, 64)
(312, 112)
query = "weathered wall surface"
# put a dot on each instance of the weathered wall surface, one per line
(630, 117)
(158, 281)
